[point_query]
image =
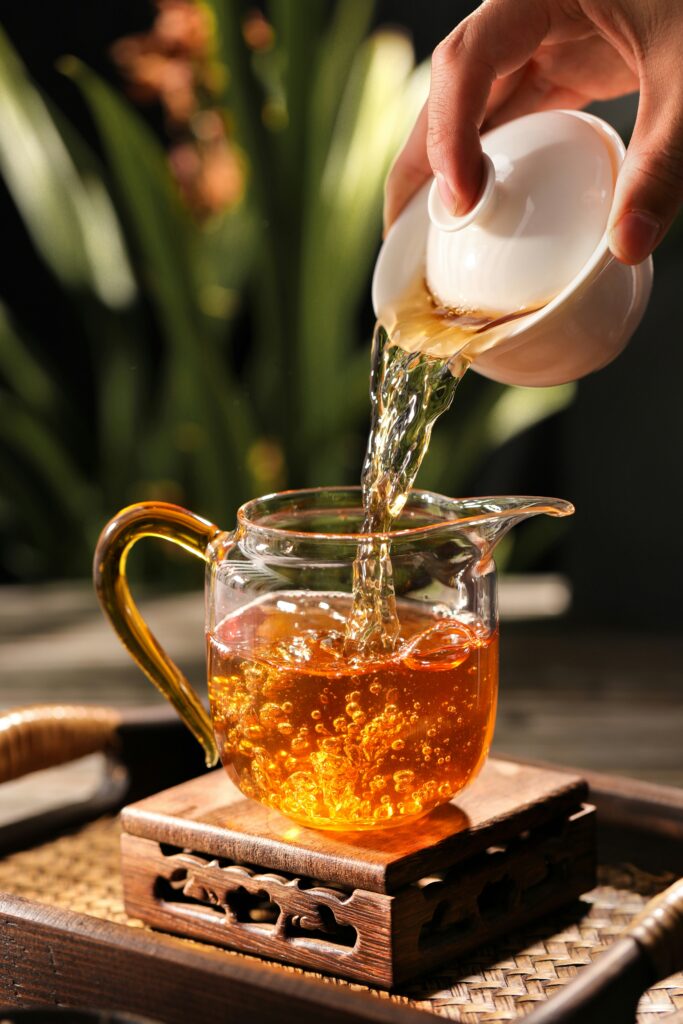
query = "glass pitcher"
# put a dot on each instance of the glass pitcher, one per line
(326, 736)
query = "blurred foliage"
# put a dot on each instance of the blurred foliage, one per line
(253, 371)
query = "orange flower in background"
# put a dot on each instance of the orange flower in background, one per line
(183, 27)
(174, 65)
(257, 32)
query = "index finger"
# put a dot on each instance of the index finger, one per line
(411, 168)
(496, 40)
(409, 171)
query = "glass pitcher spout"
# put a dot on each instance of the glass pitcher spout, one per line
(487, 520)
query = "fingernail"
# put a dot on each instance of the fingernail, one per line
(447, 197)
(634, 236)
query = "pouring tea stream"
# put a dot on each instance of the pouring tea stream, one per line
(493, 289)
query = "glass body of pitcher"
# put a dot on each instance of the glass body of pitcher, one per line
(328, 735)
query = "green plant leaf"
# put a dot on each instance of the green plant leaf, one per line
(37, 444)
(23, 520)
(245, 98)
(152, 207)
(68, 216)
(226, 249)
(518, 409)
(22, 371)
(298, 25)
(466, 435)
(199, 400)
(381, 99)
(348, 27)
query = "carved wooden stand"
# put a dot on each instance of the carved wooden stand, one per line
(202, 861)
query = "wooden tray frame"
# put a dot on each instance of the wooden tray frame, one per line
(50, 956)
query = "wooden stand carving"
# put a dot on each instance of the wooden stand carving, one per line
(202, 861)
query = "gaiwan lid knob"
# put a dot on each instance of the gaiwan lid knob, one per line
(546, 195)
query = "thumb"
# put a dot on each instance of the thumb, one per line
(649, 189)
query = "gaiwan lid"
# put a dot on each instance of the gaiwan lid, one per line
(545, 201)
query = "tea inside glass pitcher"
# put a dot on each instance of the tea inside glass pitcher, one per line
(355, 743)
(330, 737)
(338, 737)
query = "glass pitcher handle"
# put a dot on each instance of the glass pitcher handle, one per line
(188, 531)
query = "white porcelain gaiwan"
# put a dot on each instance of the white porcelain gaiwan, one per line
(535, 240)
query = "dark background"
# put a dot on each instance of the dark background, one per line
(615, 452)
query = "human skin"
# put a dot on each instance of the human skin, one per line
(513, 57)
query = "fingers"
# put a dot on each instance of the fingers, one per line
(497, 40)
(650, 186)
(512, 57)
(454, 133)
(501, 90)
(592, 64)
(569, 74)
(411, 168)
(409, 172)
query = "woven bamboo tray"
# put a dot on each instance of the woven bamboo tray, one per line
(65, 938)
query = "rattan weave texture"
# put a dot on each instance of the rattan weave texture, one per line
(498, 983)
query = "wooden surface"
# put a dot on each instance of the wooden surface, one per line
(380, 939)
(201, 860)
(55, 957)
(60, 957)
(271, 915)
(210, 815)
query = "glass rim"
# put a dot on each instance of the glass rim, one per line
(502, 507)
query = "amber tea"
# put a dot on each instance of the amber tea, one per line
(340, 743)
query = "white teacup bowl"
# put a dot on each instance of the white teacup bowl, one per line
(578, 332)
(583, 328)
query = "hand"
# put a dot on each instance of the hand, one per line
(512, 57)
